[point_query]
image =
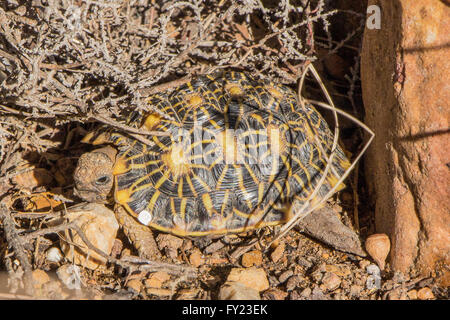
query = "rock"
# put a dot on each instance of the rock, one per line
(285, 275)
(135, 285)
(40, 277)
(294, 295)
(355, 290)
(341, 270)
(317, 294)
(425, 294)
(216, 258)
(157, 279)
(170, 243)
(251, 277)
(412, 294)
(232, 290)
(304, 263)
(406, 104)
(196, 258)
(34, 178)
(397, 294)
(331, 281)
(364, 263)
(252, 258)
(277, 253)
(324, 225)
(378, 247)
(70, 275)
(99, 225)
(214, 247)
(275, 294)
(54, 255)
(306, 293)
(292, 283)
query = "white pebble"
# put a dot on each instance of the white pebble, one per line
(54, 255)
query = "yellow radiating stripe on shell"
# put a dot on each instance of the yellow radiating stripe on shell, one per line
(153, 200)
(260, 192)
(148, 175)
(172, 206)
(189, 181)
(160, 181)
(183, 208)
(180, 188)
(207, 202)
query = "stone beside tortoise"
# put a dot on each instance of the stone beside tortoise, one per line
(240, 152)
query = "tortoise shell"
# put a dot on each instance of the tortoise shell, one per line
(237, 153)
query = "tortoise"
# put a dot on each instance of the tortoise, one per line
(235, 155)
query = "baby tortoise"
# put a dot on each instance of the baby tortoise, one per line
(238, 153)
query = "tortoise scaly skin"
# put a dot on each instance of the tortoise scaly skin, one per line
(239, 154)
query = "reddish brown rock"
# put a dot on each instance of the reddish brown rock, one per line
(33, 178)
(404, 73)
(252, 258)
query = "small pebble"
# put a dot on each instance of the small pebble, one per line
(171, 243)
(196, 258)
(378, 246)
(412, 294)
(252, 258)
(294, 295)
(251, 277)
(425, 294)
(306, 292)
(232, 290)
(278, 252)
(304, 263)
(21, 10)
(213, 247)
(157, 279)
(355, 290)
(397, 294)
(53, 254)
(364, 263)
(317, 294)
(70, 275)
(285, 275)
(135, 285)
(275, 294)
(331, 281)
(292, 283)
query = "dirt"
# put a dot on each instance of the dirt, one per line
(68, 68)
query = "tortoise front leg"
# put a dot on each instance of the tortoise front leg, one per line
(140, 236)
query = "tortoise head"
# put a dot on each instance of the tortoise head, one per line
(94, 175)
